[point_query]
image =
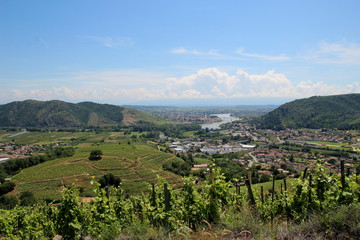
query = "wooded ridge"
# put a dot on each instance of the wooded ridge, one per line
(337, 111)
(59, 114)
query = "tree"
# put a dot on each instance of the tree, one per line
(6, 187)
(95, 155)
(27, 198)
(8, 202)
(178, 167)
(109, 180)
(264, 178)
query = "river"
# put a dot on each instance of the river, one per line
(225, 118)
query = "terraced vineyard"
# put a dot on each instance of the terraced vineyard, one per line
(136, 165)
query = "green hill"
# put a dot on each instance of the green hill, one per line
(338, 111)
(59, 114)
(136, 164)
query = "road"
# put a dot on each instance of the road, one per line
(251, 162)
(17, 134)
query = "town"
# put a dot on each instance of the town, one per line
(271, 150)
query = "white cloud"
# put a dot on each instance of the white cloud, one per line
(213, 83)
(182, 50)
(281, 57)
(336, 53)
(112, 42)
(209, 83)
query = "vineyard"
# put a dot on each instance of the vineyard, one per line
(137, 164)
(320, 205)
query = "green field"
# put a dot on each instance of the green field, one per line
(68, 137)
(136, 164)
(203, 161)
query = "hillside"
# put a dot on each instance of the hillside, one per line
(59, 114)
(137, 165)
(338, 111)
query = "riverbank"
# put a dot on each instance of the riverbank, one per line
(225, 118)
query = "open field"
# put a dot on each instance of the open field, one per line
(203, 161)
(136, 165)
(69, 137)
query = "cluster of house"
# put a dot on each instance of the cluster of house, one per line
(325, 135)
(277, 156)
(189, 117)
(226, 148)
(11, 150)
(208, 148)
(245, 130)
(269, 158)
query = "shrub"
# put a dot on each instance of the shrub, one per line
(27, 198)
(109, 180)
(95, 155)
(178, 167)
(6, 187)
(8, 202)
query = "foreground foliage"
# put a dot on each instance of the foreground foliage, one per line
(319, 198)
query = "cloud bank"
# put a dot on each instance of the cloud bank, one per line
(126, 86)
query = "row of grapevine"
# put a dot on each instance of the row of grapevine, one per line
(175, 210)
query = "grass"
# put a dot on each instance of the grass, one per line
(268, 185)
(331, 145)
(189, 133)
(73, 138)
(203, 161)
(46, 138)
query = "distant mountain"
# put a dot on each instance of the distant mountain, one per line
(338, 111)
(59, 114)
(257, 106)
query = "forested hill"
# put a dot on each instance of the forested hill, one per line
(338, 111)
(59, 114)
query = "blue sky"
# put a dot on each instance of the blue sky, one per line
(178, 52)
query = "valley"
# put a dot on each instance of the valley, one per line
(236, 167)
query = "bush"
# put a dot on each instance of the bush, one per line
(178, 167)
(280, 176)
(6, 187)
(264, 178)
(27, 198)
(95, 155)
(201, 173)
(109, 180)
(8, 202)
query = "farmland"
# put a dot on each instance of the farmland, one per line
(56, 137)
(137, 164)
